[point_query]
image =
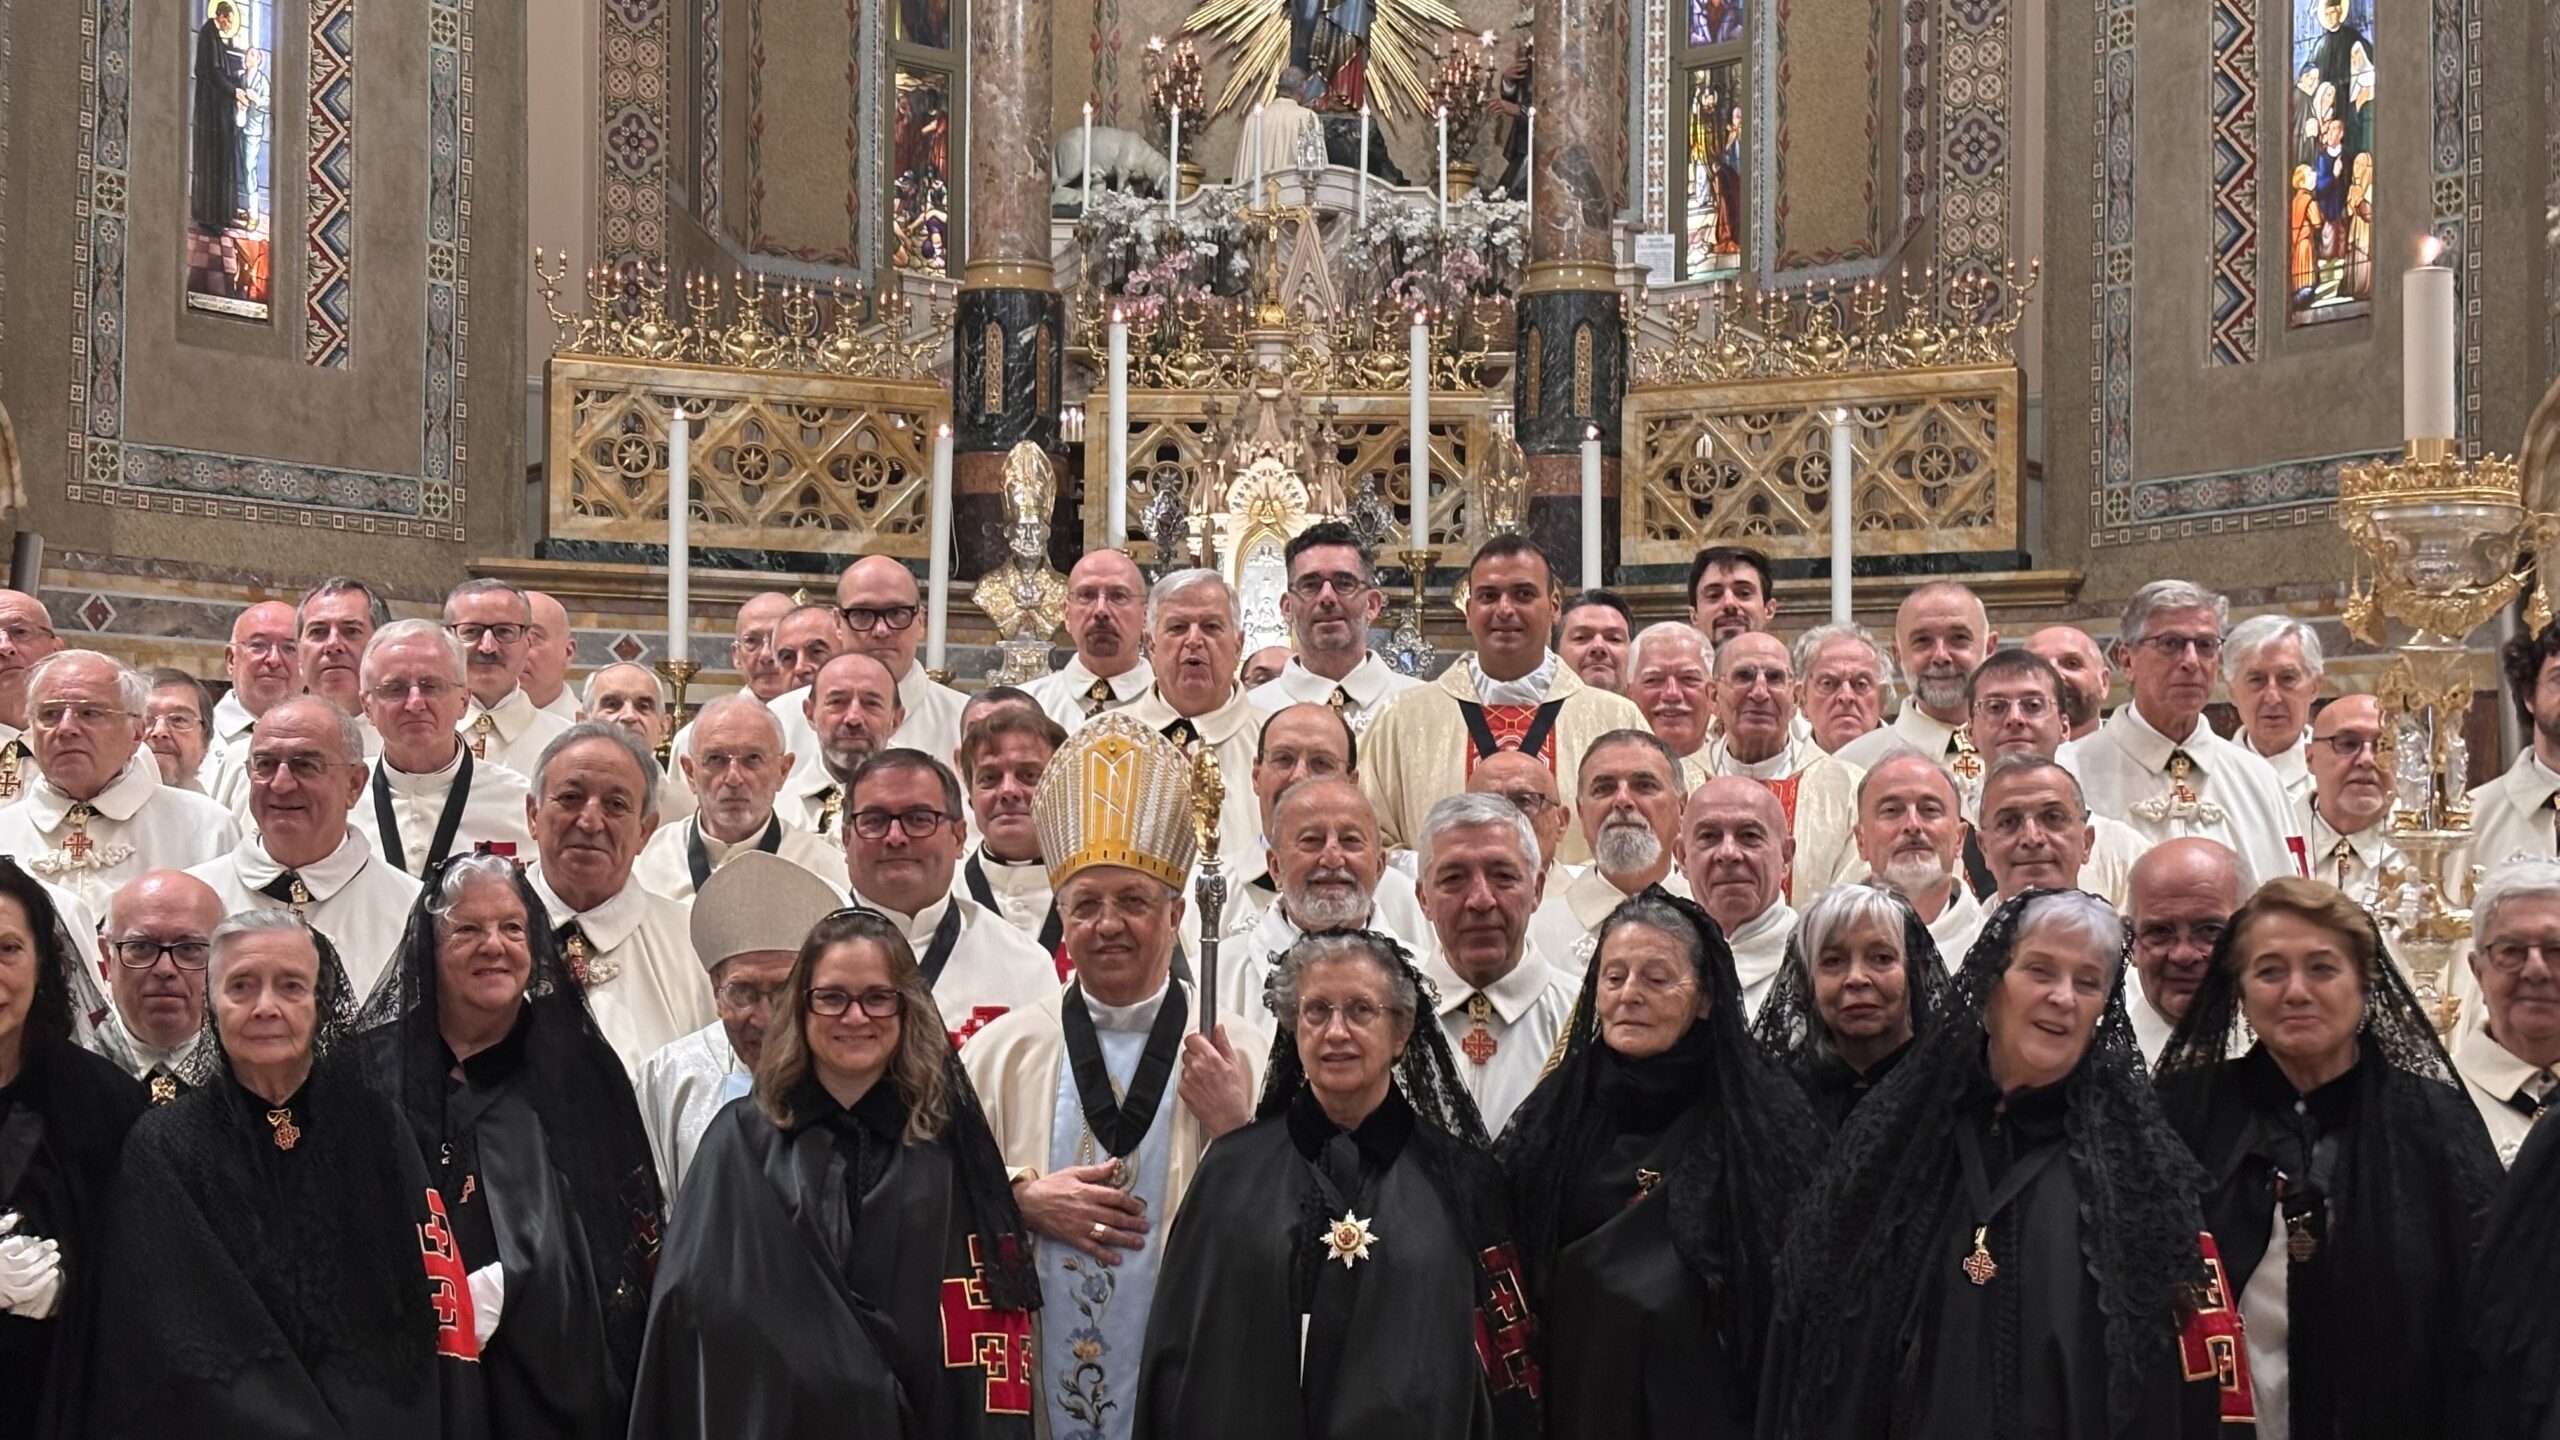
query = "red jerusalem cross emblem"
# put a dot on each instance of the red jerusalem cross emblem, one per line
(998, 1341)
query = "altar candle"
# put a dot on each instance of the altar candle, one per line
(1418, 422)
(1843, 499)
(1363, 181)
(1173, 175)
(937, 564)
(1591, 577)
(2426, 346)
(1115, 525)
(1088, 158)
(1444, 169)
(1529, 162)
(1255, 198)
(679, 524)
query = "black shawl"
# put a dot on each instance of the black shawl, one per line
(2510, 1389)
(1791, 1030)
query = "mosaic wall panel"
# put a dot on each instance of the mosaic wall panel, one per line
(329, 234)
(2232, 336)
(1973, 137)
(1916, 150)
(1106, 44)
(1789, 257)
(707, 187)
(633, 135)
(1654, 74)
(107, 469)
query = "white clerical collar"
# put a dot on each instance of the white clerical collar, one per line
(2547, 777)
(513, 712)
(2486, 1062)
(1129, 1019)
(323, 877)
(1776, 767)
(1214, 726)
(919, 927)
(434, 782)
(607, 925)
(2149, 748)
(1529, 689)
(2366, 844)
(1078, 677)
(123, 798)
(1368, 682)
(231, 720)
(1512, 995)
(1759, 944)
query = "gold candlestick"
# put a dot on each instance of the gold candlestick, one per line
(678, 674)
(1410, 649)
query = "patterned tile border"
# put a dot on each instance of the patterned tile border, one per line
(107, 469)
(707, 187)
(2455, 162)
(1916, 149)
(2232, 335)
(1790, 261)
(1653, 72)
(633, 135)
(329, 266)
(1973, 137)
(7, 72)
(2295, 492)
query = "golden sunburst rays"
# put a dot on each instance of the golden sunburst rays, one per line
(1403, 36)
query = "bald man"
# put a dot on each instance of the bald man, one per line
(878, 598)
(264, 664)
(2083, 668)
(156, 944)
(735, 762)
(752, 655)
(26, 636)
(1107, 624)
(1939, 634)
(1531, 788)
(550, 649)
(2181, 896)
(1735, 850)
(2345, 815)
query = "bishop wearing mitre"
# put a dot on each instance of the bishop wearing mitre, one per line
(1103, 1096)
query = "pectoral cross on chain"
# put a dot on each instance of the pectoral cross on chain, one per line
(2181, 802)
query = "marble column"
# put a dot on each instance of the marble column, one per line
(1572, 371)
(1008, 348)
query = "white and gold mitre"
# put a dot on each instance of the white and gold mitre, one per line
(1117, 793)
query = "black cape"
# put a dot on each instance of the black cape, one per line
(2511, 1387)
(787, 1309)
(1396, 1347)
(62, 1126)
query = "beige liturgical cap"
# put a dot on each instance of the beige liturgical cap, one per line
(758, 902)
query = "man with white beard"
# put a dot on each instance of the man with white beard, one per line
(1910, 831)
(1629, 804)
(1326, 860)
(1939, 635)
(1302, 742)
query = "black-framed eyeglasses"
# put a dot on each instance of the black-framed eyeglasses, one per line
(470, 634)
(141, 952)
(1312, 587)
(874, 824)
(2348, 747)
(867, 617)
(831, 1002)
(2173, 647)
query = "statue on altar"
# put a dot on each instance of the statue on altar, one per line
(1024, 596)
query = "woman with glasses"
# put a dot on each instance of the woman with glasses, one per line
(63, 1117)
(1653, 1169)
(2349, 1173)
(1345, 1266)
(848, 1260)
(481, 1037)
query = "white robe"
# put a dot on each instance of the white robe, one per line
(933, 716)
(2511, 813)
(665, 869)
(1022, 891)
(1067, 691)
(1398, 909)
(1233, 732)
(1912, 727)
(492, 814)
(993, 968)
(682, 1085)
(140, 825)
(226, 772)
(563, 707)
(2352, 869)
(804, 804)
(357, 900)
(658, 991)
(516, 733)
(2495, 1079)
(1245, 966)
(2292, 764)
(1958, 923)
(1366, 690)
(2123, 772)
(1566, 925)
(1531, 1006)
(1759, 950)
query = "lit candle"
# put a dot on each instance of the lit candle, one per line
(1529, 162)
(1115, 532)
(1591, 576)
(1256, 196)
(1444, 167)
(1843, 499)
(937, 564)
(2426, 347)
(1088, 157)
(1418, 421)
(679, 526)
(1173, 175)
(1363, 181)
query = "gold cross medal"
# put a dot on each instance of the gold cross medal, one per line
(1979, 1267)
(1479, 1043)
(1348, 1240)
(288, 1134)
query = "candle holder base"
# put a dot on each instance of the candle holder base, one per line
(1410, 649)
(678, 674)
(1022, 661)
(939, 674)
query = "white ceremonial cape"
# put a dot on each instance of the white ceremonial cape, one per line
(492, 814)
(1566, 924)
(357, 900)
(2292, 764)
(2511, 813)
(1912, 727)
(681, 1087)
(1366, 690)
(1245, 964)
(2349, 862)
(665, 866)
(2497, 1082)
(1067, 691)
(563, 706)
(933, 716)
(2123, 772)
(140, 825)
(658, 990)
(1759, 949)
(514, 733)
(225, 772)
(993, 967)
(1958, 922)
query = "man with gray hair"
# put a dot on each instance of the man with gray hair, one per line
(1195, 635)
(428, 797)
(1844, 680)
(1631, 791)
(593, 807)
(2157, 766)
(306, 769)
(2272, 664)
(1327, 865)
(1940, 633)
(97, 815)
(634, 698)
(734, 757)
(492, 621)
(2510, 1062)
(1501, 1003)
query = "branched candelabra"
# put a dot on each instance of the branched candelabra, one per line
(1463, 86)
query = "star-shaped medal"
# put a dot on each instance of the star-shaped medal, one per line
(1348, 1240)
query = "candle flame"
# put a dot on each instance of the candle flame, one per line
(942, 432)
(1115, 315)
(1591, 433)
(2430, 250)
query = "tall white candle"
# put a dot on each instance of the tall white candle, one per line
(1418, 421)
(1115, 525)
(1592, 579)
(1255, 198)
(1088, 157)
(1444, 168)
(1529, 162)
(1844, 486)
(1363, 181)
(1173, 176)
(2427, 336)
(679, 530)
(937, 564)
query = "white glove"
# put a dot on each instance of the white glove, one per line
(30, 1272)
(488, 1297)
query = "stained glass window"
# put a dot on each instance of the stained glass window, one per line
(920, 152)
(2329, 163)
(1715, 22)
(1712, 170)
(231, 157)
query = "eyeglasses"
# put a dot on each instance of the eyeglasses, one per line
(1319, 1015)
(395, 692)
(471, 634)
(874, 824)
(2001, 707)
(2508, 956)
(141, 952)
(176, 722)
(264, 649)
(875, 1004)
(87, 717)
(2164, 935)
(2172, 647)
(738, 996)
(869, 617)
(1114, 596)
(1312, 587)
(22, 636)
(1530, 803)
(753, 762)
(2348, 747)
(307, 769)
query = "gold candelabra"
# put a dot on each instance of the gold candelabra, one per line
(1462, 86)
(1174, 82)
(678, 674)
(1820, 329)
(2450, 541)
(1410, 649)
(748, 323)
